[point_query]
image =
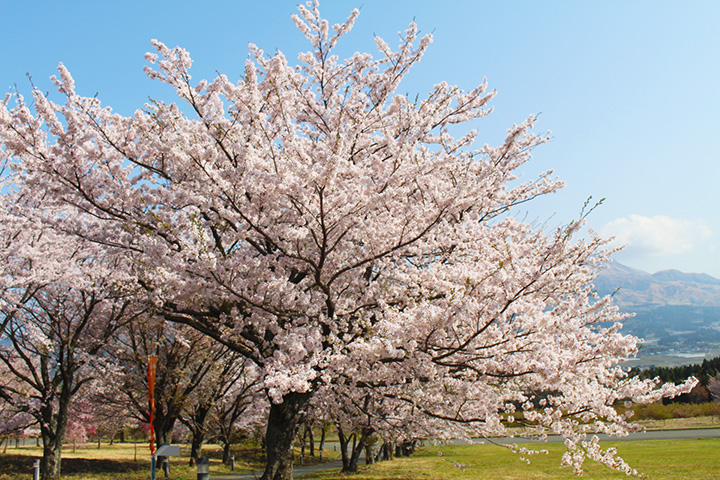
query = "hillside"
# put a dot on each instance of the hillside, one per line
(667, 287)
(677, 314)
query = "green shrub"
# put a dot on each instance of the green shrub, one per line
(658, 411)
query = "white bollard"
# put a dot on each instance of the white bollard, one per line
(203, 468)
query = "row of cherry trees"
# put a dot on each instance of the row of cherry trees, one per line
(354, 248)
(75, 350)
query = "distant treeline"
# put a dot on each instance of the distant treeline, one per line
(702, 371)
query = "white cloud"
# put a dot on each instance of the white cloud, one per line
(657, 236)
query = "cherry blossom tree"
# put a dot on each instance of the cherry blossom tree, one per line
(13, 421)
(713, 387)
(240, 409)
(332, 230)
(225, 378)
(57, 310)
(185, 360)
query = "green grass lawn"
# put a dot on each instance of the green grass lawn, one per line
(127, 461)
(657, 460)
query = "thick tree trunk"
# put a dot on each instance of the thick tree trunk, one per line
(52, 455)
(164, 426)
(52, 428)
(282, 425)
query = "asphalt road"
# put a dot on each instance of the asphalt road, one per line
(297, 471)
(648, 435)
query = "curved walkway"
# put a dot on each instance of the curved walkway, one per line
(297, 471)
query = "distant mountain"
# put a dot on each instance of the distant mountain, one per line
(667, 287)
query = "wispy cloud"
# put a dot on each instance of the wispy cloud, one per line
(657, 236)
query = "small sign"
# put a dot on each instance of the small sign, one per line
(167, 451)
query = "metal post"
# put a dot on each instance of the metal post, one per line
(232, 463)
(152, 467)
(203, 468)
(36, 469)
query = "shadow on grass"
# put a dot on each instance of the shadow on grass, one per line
(23, 464)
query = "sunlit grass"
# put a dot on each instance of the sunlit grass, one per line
(657, 459)
(128, 461)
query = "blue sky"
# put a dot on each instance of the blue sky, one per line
(629, 90)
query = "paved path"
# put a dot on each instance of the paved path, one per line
(648, 435)
(297, 471)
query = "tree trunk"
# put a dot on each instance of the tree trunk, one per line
(387, 450)
(164, 426)
(281, 427)
(195, 446)
(302, 449)
(350, 460)
(343, 447)
(358, 447)
(322, 442)
(311, 439)
(50, 462)
(226, 451)
(196, 422)
(360, 443)
(52, 428)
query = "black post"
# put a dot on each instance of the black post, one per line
(232, 463)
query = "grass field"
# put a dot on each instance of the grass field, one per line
(657, 459)
(127, 461)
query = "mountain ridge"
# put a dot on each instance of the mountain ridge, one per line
(633, 287)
